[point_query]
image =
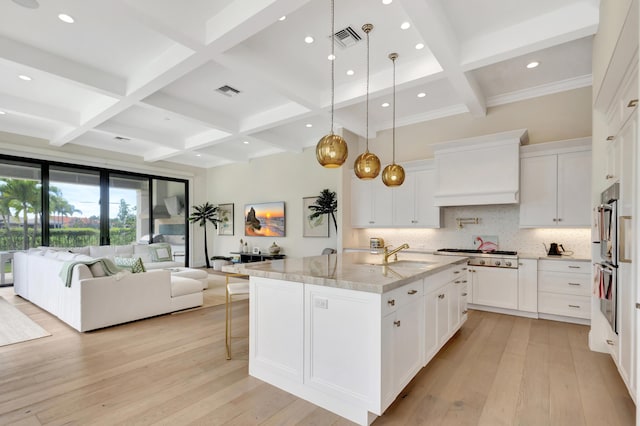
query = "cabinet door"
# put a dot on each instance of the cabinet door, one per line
(442, 310)
(427, 214)
(528, 285)
(538, 191)
(404, 202)
(574, 189)
(407, 344)
(431, 325)
(382, 204)
(497, 287)
(627, 140)
(361, 203)
(454, 306)
(626, 327)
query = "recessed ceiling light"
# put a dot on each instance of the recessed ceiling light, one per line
(198, 155)
(387, 1)
(24, 77)
(2, 113)
(245, 142)
(350, 72)
(422, 95)
(533, 64)
(282, 18)
(331, 57)
(405, 26)
(386, 104)
(308, 125)
(308, 39)
(66, 18)
(31, 4)
(419, 46)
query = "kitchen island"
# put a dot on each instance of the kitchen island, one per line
(348, 333)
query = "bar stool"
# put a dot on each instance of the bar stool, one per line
(232, 289)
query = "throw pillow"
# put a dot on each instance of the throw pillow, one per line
(160, 252)
(133, 264)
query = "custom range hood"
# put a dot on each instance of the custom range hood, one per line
(480, 170)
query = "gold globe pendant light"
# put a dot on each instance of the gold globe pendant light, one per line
(332, 150)
(367, 165)
(393, 174)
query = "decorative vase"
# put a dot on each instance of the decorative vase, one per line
(274, 248)
(245, 248)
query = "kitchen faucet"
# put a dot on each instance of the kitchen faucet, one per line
(387, 254)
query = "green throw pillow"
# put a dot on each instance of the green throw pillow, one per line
(135, 265)
(160, 252)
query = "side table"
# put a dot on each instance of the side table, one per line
(5, 256)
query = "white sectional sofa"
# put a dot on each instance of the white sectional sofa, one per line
(96, 302)
(143, 251)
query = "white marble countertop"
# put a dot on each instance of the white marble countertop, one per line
(353, 271)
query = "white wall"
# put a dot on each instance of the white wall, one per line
(284, 177)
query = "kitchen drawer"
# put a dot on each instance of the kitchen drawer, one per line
(401, 296)
(564, 282)
(565, 266)
(569, 305)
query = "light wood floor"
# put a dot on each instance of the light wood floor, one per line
(171, 370)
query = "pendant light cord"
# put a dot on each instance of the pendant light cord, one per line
(332, 62)
(393, 137)
(367, 102)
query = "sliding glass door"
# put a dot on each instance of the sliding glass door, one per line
(20, 205)
(74, 207)
(128, 209)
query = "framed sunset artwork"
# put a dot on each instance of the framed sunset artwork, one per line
(264, 219)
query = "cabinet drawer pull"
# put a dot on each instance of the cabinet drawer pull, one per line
(441, 296)
(632, 103)
(464, 312)
(608, 176)
(464, 269)
(574, 306)
(371, 221)
(555, 220)
(609, 342)
(396, 323)
(610, 138)
(457, 282)
(464, 281)
(456, 272)
(464, 294)
(414, 221)
(574, 283)
(412, 291)
(392, 302)
(573, 267)
(559, 219)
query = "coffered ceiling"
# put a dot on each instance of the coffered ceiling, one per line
(139, 77)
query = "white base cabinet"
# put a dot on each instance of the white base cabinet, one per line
(496, 287)
(350, 352)
(564, 288)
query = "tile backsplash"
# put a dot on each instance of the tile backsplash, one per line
(499, 220)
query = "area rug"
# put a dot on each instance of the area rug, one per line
(16, 327)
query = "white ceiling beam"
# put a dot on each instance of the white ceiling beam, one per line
(29, 108)
(190, 112)
(282, 114)
(161, 153)
(78, 74)
(431, 21)
(137, 133)
(566, 24)
(204, 138)
(134, 9)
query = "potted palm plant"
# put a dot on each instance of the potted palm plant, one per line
(203, 214)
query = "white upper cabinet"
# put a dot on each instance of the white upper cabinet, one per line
(555, 185)
(371, 204)
(374, 205)
(413, 201)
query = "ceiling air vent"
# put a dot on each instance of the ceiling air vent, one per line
(346, 37)
(121, 139)
(228, 91)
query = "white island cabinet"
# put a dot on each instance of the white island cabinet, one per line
(349, 350)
